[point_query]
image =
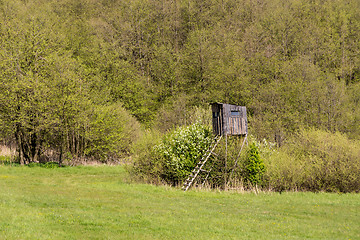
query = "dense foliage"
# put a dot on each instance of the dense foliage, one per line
(177, 154)
(182, 149)
(254, 167)
(79, 77)
(314, 160)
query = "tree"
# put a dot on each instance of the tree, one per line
(111, 133)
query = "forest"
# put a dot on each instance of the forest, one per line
(101, 79)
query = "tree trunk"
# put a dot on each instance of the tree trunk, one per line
(61, 154)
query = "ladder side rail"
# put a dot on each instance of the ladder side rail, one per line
(194, 174)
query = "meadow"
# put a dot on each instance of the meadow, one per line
(99, 202)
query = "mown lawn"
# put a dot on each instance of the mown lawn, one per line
(100, 203)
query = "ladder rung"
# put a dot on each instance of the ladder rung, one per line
(201, 163)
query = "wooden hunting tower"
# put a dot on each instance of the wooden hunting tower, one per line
(229, 119)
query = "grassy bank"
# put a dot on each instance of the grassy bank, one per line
(99, 203)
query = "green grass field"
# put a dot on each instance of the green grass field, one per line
(100, 203)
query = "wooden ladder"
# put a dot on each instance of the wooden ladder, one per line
(190, 180)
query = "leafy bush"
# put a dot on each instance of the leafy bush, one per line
(283, 171)
(330, 161)
(112, 132)
(312, 160)
(315, 160)
(174, 157)
(254, 167)
(181, 150)
(146, 164)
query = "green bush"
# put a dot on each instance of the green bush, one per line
(111, 133)
(283, 171)
(181, 150)
(315, 160)
(312, 160)
(146, 162)
(172, 158)
(254, 167)
(330, 161)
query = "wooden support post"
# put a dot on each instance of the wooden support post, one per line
(226, 152)
(238, 156)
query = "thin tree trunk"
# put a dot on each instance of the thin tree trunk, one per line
(61, 154)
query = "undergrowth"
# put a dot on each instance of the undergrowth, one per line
(313, 160)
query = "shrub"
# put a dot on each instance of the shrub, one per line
(146, 162)
(315, 160)
(283, 171)
(330, 161)
(172, 157)
(181, 149)
(254, 167)
(111, 133)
